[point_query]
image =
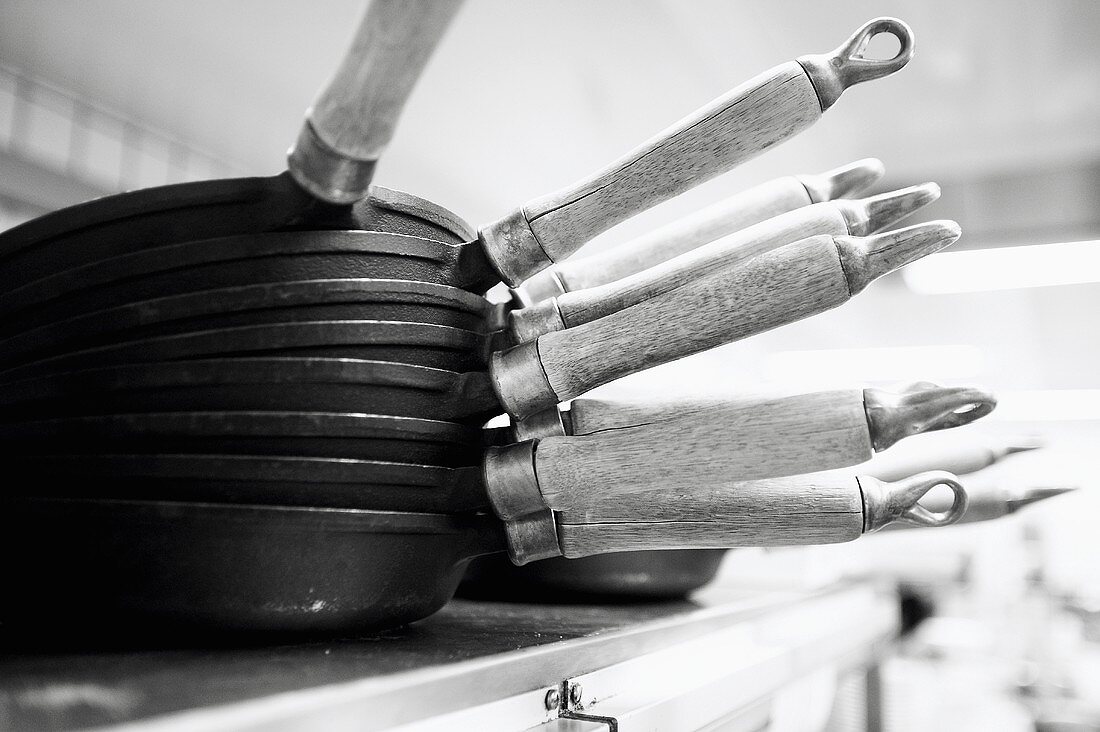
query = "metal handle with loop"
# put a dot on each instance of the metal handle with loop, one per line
(832, 73)
(886, 503)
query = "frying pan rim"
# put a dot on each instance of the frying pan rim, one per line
(439, 429)
(242, 364)
(376, 521)
(394, 333)
(451, 473)
(190, 194)
(367, 243)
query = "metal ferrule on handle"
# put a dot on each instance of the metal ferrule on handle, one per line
(353, 118)
(325, 173)
(512, 485)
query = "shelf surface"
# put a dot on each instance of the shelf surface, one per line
(469, 653)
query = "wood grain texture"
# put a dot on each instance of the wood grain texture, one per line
(583, 306)
(621, 476)
(807, 509)
(749, 207)
(740, 439)
(734, 128)
(818, 509)
(775, 288)
(356, 113)
(584, 540)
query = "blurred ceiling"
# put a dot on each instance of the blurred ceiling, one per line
(525, 96)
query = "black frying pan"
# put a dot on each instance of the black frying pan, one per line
(264, 384)
(340, 299)
(306, 434)
(345, 132)
(254, 479)
(176, 566)
(436, 346)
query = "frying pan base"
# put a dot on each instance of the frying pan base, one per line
(149, 570)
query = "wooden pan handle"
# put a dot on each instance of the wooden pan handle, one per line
(743, 439)
(738, 212)
(775, 288)
(762, 112)
(603, 498)
(353, 119)
(858, 217)
(628, 448)
(823, 508)
(767, 436)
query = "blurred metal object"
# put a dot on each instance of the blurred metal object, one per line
(991, 502)
(958, 457)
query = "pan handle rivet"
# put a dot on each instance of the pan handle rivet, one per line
(552, 700)
(576, 693)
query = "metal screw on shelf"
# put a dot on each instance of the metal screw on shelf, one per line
(553, 699)
(576, 693)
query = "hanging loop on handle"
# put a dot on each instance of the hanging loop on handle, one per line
(855, 68)
(832, 73)
(887, 503)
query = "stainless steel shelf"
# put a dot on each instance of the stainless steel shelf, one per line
(474, 665)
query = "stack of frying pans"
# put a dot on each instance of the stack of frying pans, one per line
(258, 404)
